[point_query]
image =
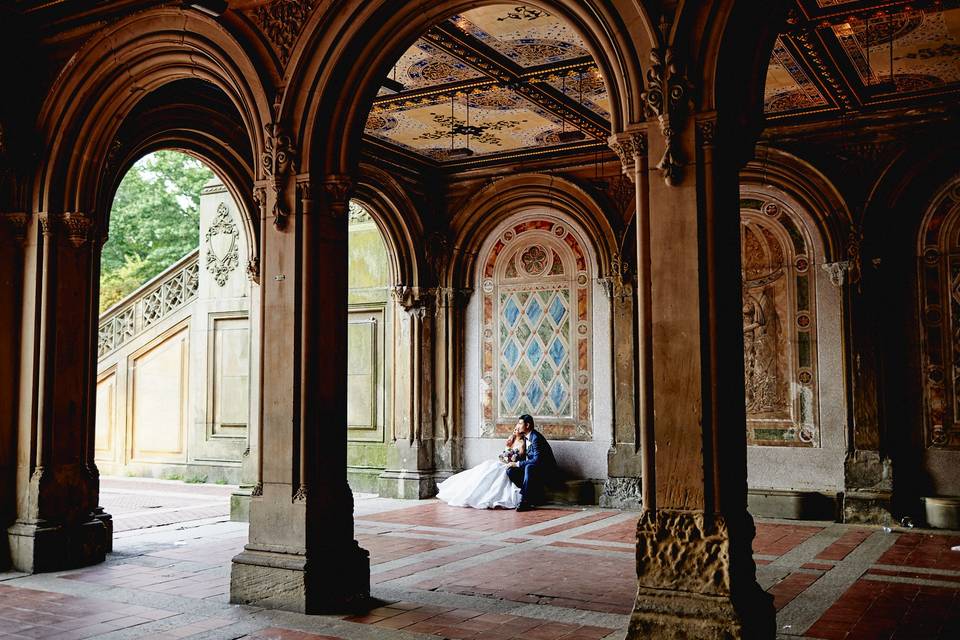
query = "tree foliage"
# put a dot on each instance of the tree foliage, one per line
(154, 221)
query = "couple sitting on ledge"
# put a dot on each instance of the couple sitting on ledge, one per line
(516, 480)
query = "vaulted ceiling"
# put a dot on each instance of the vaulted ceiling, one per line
(500, 82)
(844, 56)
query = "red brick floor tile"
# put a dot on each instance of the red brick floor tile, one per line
(580, 581)
(845, 544)
(621, 532)
(276, 633)
(777, 539)
(593, 517)
(789, 588)
(875, 609)
(595, 547)
(387, 548)
(819, 566)
(927, 550)
(440, 515)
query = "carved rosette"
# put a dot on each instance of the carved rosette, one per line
(16, 224)
(78, 227)
(667, 99)
(221, 266)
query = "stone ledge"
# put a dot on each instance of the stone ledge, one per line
(793, 505)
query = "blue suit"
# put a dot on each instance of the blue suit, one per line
(533, 472)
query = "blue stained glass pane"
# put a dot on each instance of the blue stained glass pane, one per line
(511, 393)
(535, 394)
(557, 351)
(511, 353)
(511, 312)
(557, 310)
(534, 311)
(557, 395)
(534, 352)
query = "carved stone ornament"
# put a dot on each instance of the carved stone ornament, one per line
(629, 147)
(413, 299)
(253, 269)
(257, 490)
(278, 161)
(706, 132)
(668, 99)
(838, 271)
(281, 22)
(223, 255)
(615, 285)
(338, 189)
(17, 225)
(78, 227)
(301, 494)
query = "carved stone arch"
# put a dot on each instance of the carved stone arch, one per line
(495, 202)
(182, 129)
(396, 216)
(813, 195)
(109, 77)
(339, 63)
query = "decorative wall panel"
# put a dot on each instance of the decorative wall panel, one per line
(939, 275)
(159, 398)
(779, 326)
(229, 360)
(106, 415)
(536, 331)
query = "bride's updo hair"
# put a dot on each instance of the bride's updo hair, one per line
(527, 420)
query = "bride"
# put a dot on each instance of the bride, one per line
(487, 486)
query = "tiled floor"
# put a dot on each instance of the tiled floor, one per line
(439, 571)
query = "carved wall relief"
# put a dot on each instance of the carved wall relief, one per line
(536, 331)
(222, 238)
(779, 326)
(939, 279)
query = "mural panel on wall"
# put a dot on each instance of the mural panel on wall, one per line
(779, 326)
(536, 331)
(939, 273)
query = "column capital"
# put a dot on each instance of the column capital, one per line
(668, 100)
(78, 227)
(16, 224)
(630, 146)
(339, 188)
(414, 300)
(616, 285)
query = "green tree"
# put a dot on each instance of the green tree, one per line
(154, 221)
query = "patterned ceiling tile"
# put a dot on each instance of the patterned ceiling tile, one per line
(923, 47)
(823, 4)
(528, 36)
(423, 65)
(587, 89)
(499, 121)
(788, 86)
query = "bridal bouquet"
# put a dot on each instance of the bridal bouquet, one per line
(510, 455)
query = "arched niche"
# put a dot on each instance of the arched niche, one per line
(938, 274)
(538, 341)
(793, 347)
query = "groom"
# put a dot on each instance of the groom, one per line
(536, 469)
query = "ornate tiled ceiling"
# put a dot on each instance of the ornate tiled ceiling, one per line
(498, 82)
(849, 55)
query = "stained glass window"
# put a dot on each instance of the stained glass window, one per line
(536, 337)
(939, 275)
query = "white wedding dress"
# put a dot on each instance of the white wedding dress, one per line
(483, 487)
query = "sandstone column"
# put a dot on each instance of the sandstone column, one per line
(694, 564)
(58, 523)
(301, 555)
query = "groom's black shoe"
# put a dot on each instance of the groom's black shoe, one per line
(524, 506)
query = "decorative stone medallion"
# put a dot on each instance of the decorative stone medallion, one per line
(223, 254)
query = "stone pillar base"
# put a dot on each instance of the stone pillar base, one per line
(240, 504)
(621, 493)
(408, 485)
(867, 507)
(337, 582)
(676, 615)
(107, 520)
(41, 546)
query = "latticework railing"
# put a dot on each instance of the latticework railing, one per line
(149, 304)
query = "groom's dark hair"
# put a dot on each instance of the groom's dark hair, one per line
(527, 420)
